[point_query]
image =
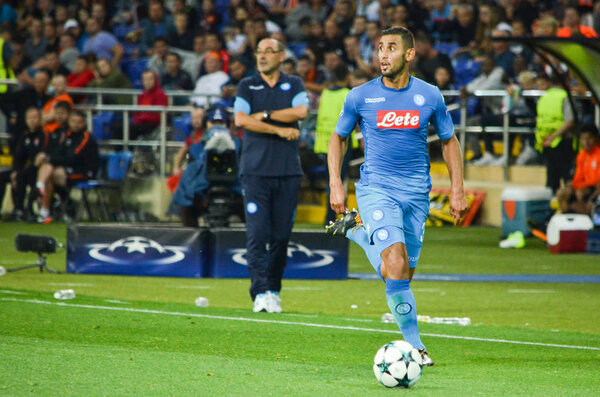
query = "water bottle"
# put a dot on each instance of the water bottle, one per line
(201, 302)
(451, 320)
(64, 294)
(2, 271)
(388, 318)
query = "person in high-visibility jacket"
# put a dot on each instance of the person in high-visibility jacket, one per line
(330, 106)
(554, 120)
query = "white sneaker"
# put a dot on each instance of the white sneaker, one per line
(527, 155)
(498, 161)
(273, 302)
(486, 159)
(261, 303)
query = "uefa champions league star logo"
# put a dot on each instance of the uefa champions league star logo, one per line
(301, 257)
(138, 249)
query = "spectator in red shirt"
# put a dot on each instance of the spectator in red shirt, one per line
(579, 195)
(197, 131)
(83, 73)
(145, 122)
(572, 25)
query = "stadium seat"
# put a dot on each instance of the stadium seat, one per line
(120, 31)
(297, 48)
(114, 167)
(134, 69)
(465, 70)
(102, 125)
(182, 127)
(446, 48)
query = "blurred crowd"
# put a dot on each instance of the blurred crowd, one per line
(207, 46)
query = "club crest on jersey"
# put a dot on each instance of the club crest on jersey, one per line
(387, 119)
(419, 100)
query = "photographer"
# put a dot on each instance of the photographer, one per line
(194, 181)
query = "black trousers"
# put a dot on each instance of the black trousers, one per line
(4, 180)
(270, 204)
(25, 177)
(559, 163)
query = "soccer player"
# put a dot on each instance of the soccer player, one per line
(394, 112)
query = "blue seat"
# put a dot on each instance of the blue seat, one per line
(182, 127)
(102, 125)
(113, 169)
(447, 48)
(134, 69)
(465, 70)
(298, 48)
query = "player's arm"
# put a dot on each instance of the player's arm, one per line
(335, 155)
(453, 158)
(243, 118)
(338, 144)
(299, 109)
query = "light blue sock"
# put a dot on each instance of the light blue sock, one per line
(401, 301)
(359, 236)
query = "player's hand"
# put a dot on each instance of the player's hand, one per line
(458, 206)
(548, 140)
(337, 199)
(289, 133)
(39, 159)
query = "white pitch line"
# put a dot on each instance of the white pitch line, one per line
(313, 325)
(193, 287)
(72, 284)
(531, 291)
(6, 291)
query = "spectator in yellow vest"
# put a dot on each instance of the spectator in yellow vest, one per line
(554, 120)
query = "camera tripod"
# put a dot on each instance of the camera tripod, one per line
(41, 263)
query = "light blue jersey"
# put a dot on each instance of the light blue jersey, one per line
(394, 125)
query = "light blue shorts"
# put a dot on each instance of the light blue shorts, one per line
(392, 217)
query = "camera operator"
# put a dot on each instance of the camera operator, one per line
(194, 181)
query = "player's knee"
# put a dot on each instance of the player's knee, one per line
(394, 262)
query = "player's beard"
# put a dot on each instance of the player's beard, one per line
(396, 70)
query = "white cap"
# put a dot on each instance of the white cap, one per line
(504, 27)
(71, 23)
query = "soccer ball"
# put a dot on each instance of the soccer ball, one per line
(398, 364)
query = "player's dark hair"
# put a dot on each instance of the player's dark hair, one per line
(590, 129)
(408, 40)
(63, 105)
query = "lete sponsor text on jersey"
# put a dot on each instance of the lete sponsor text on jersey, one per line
(387, 119)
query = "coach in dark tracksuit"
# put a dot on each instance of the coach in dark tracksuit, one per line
(268, 107)
(29, 145)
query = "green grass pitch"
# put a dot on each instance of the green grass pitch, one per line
(144, 335)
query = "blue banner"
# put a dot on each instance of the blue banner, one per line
(142, 251)
(311, 255)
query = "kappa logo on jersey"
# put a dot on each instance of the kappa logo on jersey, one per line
(387, 119)
(374, 100)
